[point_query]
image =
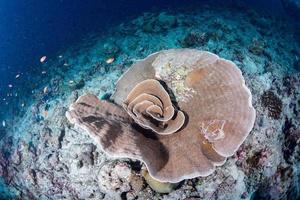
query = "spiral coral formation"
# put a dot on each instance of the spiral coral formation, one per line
(150, 100)
(210, 91)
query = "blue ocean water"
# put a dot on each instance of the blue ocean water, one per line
(32, 29)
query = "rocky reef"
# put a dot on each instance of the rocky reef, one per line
(43, 156)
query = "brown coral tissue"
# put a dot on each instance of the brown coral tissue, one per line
(272, 103)
(180, 129)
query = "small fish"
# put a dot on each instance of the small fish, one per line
(44, 72)
(3, 123)
(66, 64)
(23, 104)
(45, 113)
(43, 59)
(110, 60)
(71, 82)
(17, 76)
(10, 85)
(60, 56)
(46, 90)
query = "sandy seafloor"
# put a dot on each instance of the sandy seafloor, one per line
(43, 157)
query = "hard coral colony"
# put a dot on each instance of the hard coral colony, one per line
(209, 117)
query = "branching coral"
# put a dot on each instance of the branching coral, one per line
(174, 146)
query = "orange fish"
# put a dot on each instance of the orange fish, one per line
(45, 90)
(45, 113)
(110, 60)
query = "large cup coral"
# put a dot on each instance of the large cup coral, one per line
(210, 91)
